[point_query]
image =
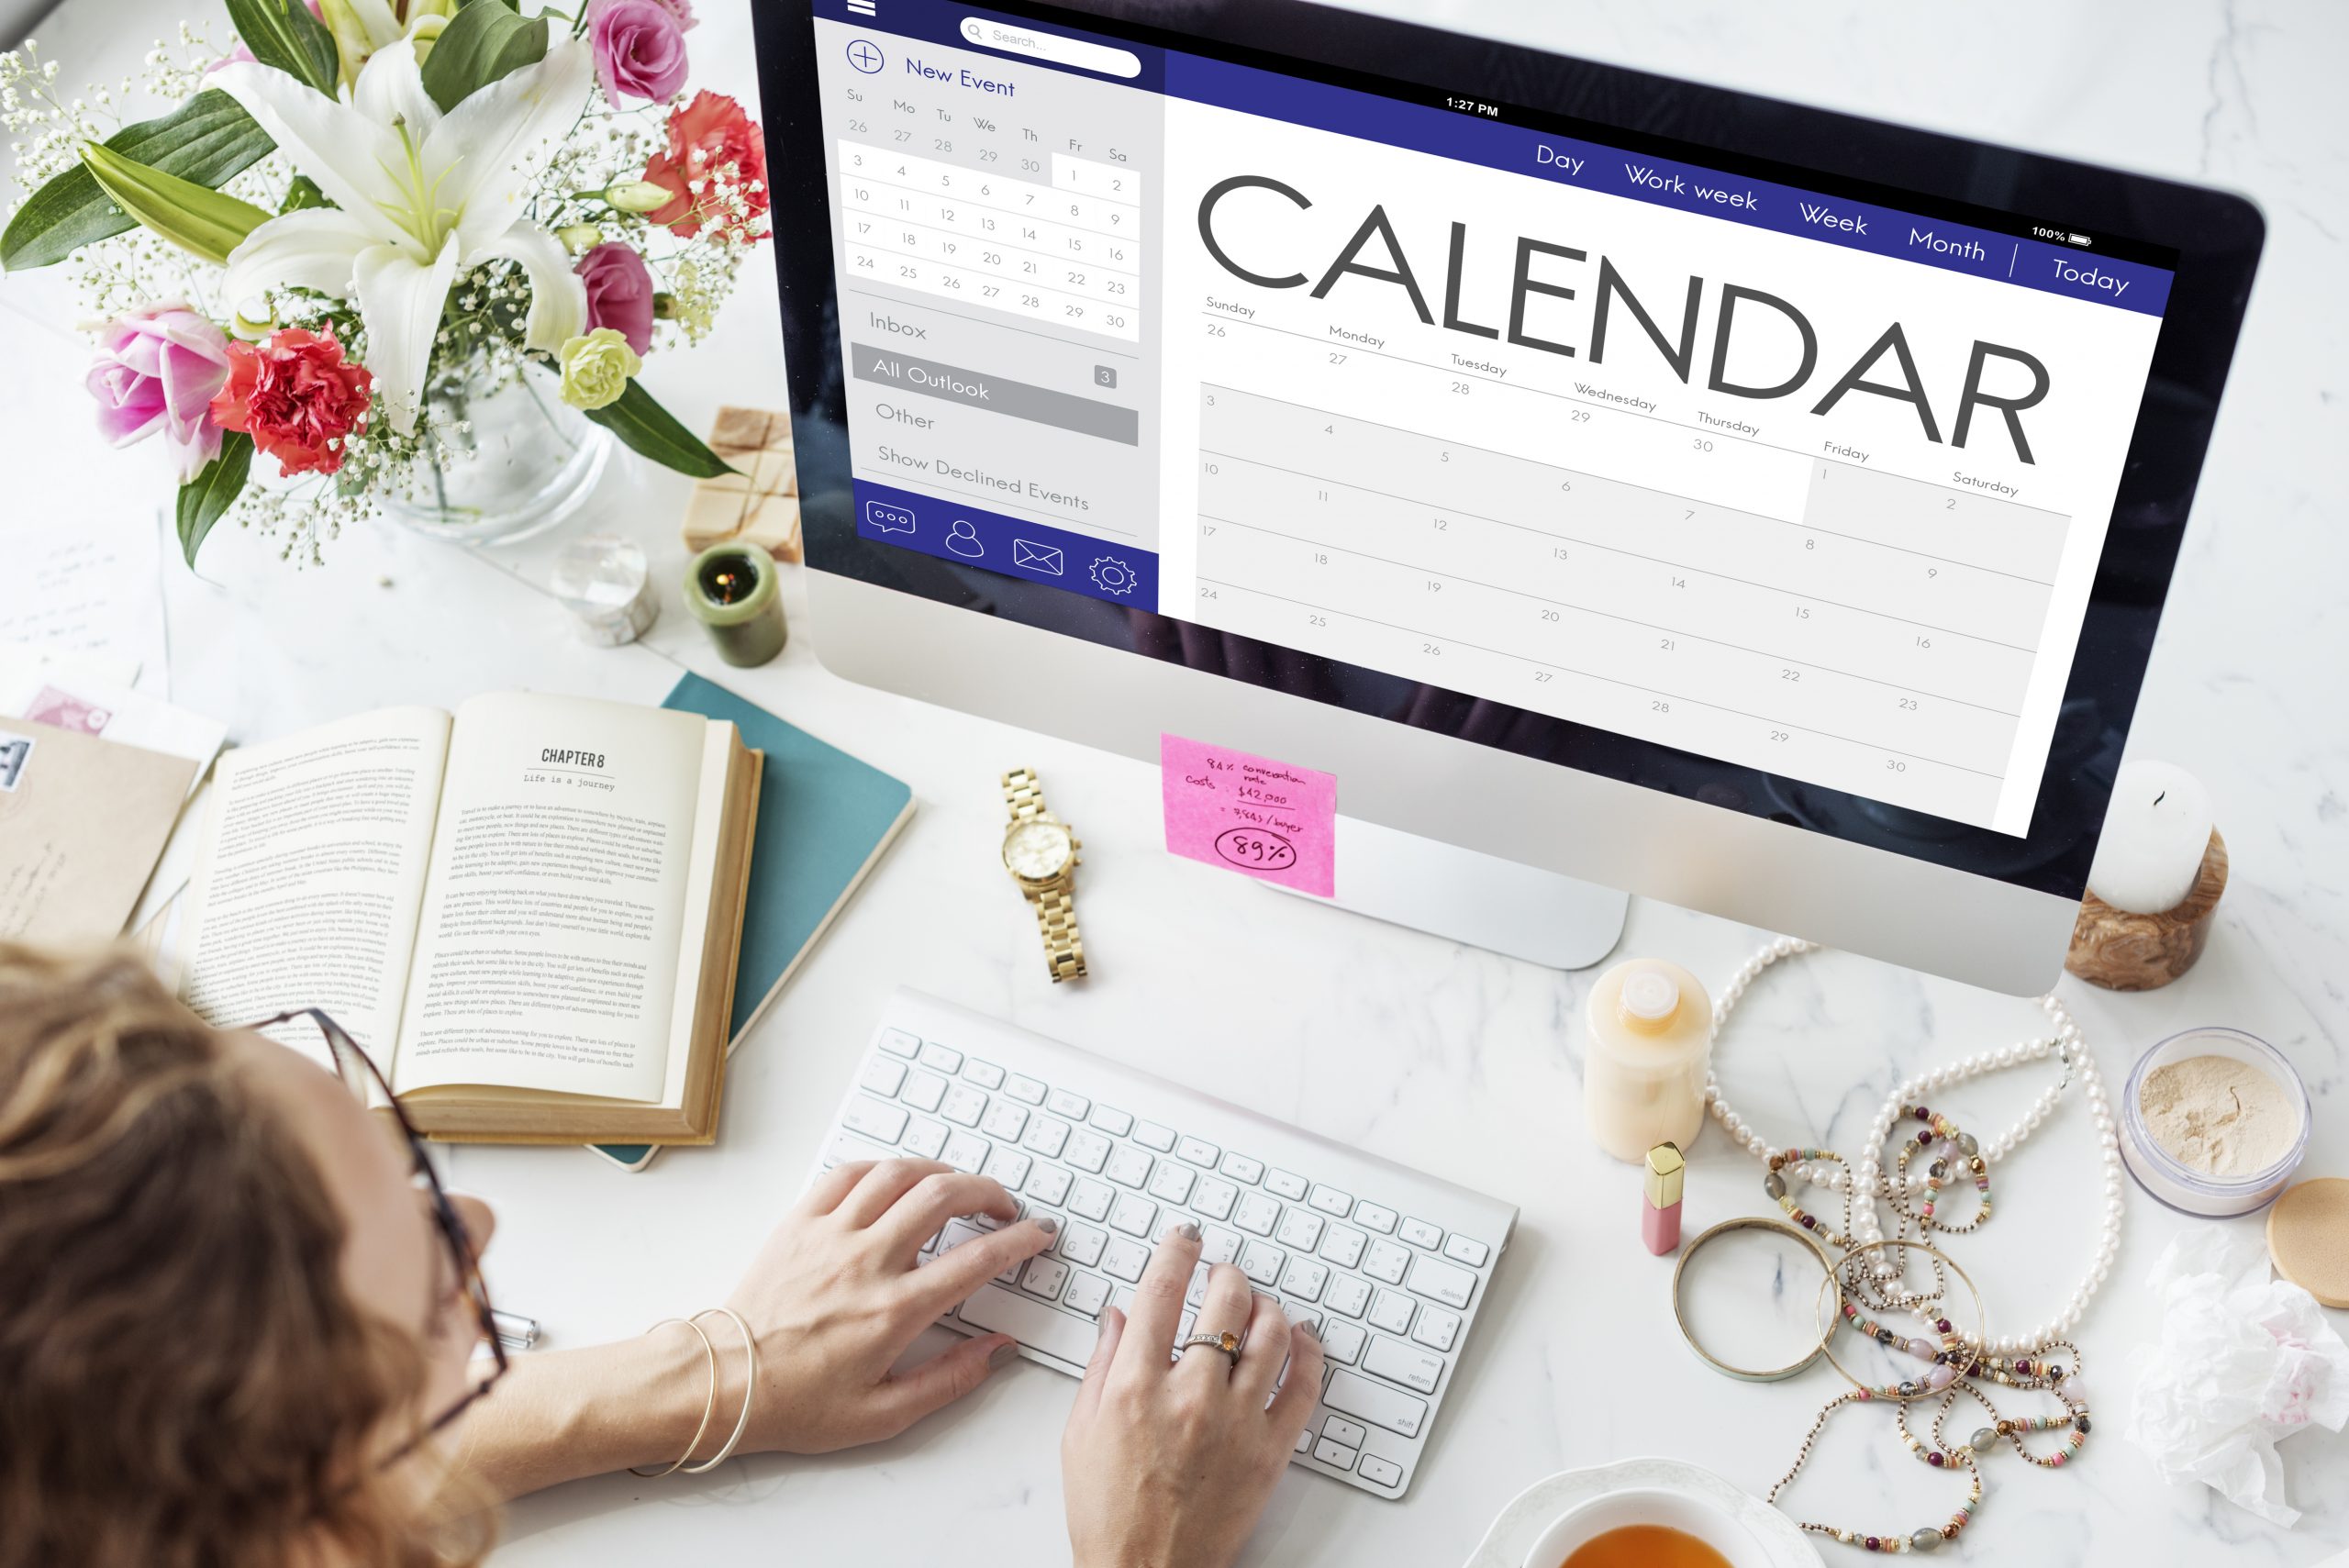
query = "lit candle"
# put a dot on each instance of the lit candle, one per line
(2155, 833)
(732, 591)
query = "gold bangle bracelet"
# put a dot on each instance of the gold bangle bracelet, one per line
(708, 1405)
(1833, 1282)
(749, 1388)
(1679, 1312)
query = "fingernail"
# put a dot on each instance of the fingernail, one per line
(1305, 1329)
(1006, 1351)
(1048, 1225)
(1189, 1231)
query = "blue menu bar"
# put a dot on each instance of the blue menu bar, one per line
(1013, 547)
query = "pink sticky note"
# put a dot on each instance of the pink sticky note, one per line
(1269, 820)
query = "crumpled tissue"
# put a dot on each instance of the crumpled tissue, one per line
(2244, 1362)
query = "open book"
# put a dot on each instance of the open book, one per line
(527, 913)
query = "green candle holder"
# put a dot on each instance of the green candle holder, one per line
(733, 591)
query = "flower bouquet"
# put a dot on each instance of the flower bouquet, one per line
(374, 223)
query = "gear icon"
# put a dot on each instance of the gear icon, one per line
(1112, 575)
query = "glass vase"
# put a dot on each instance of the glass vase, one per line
(503, 458)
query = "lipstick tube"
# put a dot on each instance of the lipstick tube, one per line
(1660, 1213)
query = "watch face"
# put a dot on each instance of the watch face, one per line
(1036, 850)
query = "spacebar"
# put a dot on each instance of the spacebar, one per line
(1033, 1324)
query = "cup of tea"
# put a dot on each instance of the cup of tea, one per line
(1648, 1528)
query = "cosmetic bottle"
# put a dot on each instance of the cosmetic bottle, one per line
(1649, 1042)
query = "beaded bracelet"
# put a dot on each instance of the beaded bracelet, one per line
(1680, 1270)
(709, 1356)
(1950, 1361)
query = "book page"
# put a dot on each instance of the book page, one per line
(556, 901)
(311, 870)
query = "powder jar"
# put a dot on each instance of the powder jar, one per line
(2180, 1185)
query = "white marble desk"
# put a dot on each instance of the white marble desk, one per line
(1461, 1062)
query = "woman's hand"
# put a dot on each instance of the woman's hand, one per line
(1169, 1466)
(835, 1298)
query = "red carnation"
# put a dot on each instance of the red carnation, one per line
(705, 136)
(297, 398)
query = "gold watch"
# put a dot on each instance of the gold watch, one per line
(1039, 853)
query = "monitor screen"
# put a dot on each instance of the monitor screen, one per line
(1783, 489)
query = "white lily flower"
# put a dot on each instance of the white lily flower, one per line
(419, 198)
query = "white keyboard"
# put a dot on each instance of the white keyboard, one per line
(1390, 1266)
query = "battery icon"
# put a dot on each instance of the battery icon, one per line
(2079, 239)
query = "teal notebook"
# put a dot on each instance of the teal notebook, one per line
(824, 821)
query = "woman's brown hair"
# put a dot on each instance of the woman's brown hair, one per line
(184, 1381)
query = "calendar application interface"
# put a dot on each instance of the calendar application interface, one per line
(1780, 477)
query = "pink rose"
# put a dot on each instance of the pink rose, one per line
(157, 370)
(640, 49)
(619, 293)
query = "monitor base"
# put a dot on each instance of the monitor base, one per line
(1473, 898)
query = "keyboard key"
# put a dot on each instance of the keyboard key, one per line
(1300, 1228)
(846, 1151)
(1385, 1260)
(1030, 1322)
(1342, 1342)
(1336, 1454)
(1199, 1289)
(1081, 1245)
(1127, 1166)
(1375, 1217)
(1375, 1403)
(1218, 1245)
(1124, 1259)
(1343, 1246)
(1111, 1120)
(923, 1091)
(1406, 1364)
(1060, 1102)
(1261, 1263)
(1008, 1166)
(1240, 1168)
(1257, 1214)
(1442, 1282)
(1045, 1278)
(1288, 1184)
(985, 1074)
(1172, 1182)
(1021, 1088)
(1385, 1472)
(925, 1140)
(1461, 1249)
(1151, 1135)
(1085, 1294)
(1305, 1279)
(945, 1058)
(1305, 1438)
(1214, 1199)
(1092, 1199)
(1199, 1153)
(882, 1075)
(1438, 1329)
(1086, 1150)
(1134, 1214)
(1419, 1233)
(869, 1118)
(964, 1106)
(1332, 1202)
(1048, 1184)
(1046, 1136)
(1300, 1315)
(966, 1150)
(956, 1232)
(1006, 1121)
(1349, 1295)
(1337, 1429)
(897, 1043)
(1391, 1310)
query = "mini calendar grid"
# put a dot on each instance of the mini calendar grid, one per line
(1065, 253)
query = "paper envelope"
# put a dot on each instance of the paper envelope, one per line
(81, 823)
(1044, 558)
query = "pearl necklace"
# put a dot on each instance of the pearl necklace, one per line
(1867, 1182)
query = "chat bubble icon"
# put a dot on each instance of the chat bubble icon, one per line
(883, 518)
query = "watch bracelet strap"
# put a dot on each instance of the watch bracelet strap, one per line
(1024, 793)
(1056, 918)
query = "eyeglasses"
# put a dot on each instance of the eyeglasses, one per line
(359, 1074)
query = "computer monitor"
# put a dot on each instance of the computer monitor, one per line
(1749, 505)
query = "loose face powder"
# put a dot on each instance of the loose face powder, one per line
(2219, 1116)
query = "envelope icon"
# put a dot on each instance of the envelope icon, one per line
(1044, 558)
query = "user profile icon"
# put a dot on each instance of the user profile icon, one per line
(963, 539)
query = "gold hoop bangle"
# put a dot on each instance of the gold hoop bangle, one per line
(1744, 1374)
(709, 1355)
(1922, 1388)
(749, 1388)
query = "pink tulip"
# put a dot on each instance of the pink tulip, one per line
(157, 370)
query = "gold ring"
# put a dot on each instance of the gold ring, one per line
(1744, 1374)
(1229, 1343)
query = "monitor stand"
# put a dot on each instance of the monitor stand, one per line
(1474, 898)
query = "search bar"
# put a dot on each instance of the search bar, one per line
(1051, 48)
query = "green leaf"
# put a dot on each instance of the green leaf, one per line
(207, 139)
(204, 498)
(284, 35)
(637, 419)
(203, 222)
(303, 193)
(486, 40)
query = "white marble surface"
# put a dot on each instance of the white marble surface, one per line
(1456, 1060)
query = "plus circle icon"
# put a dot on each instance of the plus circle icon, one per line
(866, 57)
